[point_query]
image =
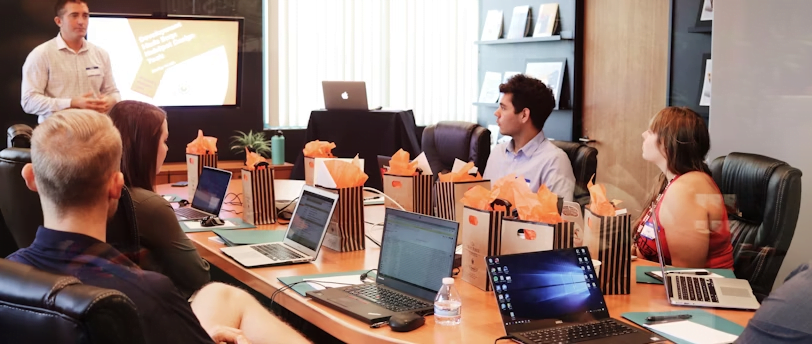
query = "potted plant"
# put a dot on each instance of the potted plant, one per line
(255, 142)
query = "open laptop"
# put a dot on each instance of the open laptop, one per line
(417, 252)
(209, 195)
(345, 95)
(554, 297)
(703, 291)
(303, 237)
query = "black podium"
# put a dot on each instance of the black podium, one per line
(366, 133)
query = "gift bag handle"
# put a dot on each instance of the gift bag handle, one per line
(502, 202)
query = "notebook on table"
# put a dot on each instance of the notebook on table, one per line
(303, 238)
(417, 252)
(554, 297)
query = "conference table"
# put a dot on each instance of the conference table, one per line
(481, 321)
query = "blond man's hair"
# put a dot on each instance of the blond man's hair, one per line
(74, 153)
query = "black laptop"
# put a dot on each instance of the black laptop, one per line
(554, 297)
(417, 252)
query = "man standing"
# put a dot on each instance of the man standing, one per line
(68, 71)
(524, 108)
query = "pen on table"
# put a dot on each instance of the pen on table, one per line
(699, 273)
(656, 318)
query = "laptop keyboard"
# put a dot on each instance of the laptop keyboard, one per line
(580, 332)
(277, 252)
(696, 289)
(190, 213)
(391, 300)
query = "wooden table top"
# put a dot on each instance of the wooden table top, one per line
(481, 321)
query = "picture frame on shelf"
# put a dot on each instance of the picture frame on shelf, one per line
(705, 16)
(705, 83)
(550, 72)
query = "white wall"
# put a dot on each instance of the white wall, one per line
(762, 93)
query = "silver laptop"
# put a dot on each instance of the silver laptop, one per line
(209, 195)
(702, 291)
(345, 95)
(303, 237)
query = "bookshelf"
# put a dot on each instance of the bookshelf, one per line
(688, 44)
(505, 55)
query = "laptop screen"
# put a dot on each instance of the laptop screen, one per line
(211, 189)
(545, 289)
(417, 252)
(310, 219)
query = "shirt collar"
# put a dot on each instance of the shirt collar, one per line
(530, 148)
(61, 44)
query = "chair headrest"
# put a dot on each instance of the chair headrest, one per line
(15, 155)
(19, 135)
(748, 177)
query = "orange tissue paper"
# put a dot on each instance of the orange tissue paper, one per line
(598, 203)
(400, 165)
(202, 144)
(319, 149)
(253, 159)
(540, 207)
(345, 174)
(478, 197)
(509, 188)
(461, 175)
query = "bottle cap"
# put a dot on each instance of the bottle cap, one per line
(448, 280)
(279, 132)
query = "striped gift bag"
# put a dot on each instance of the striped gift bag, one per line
(346, 230)
(609, 239)
(259, 206)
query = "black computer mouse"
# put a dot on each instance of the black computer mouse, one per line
(211, 221)
(405, 322)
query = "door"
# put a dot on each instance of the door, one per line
(625, 71)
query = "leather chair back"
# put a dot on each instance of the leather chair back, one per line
(41, 307)
(584, 160)
(19, 135)
(22, 210)
(445, 141)
(20, 206)
(768, 199)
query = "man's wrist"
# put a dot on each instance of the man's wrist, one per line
(65, 103)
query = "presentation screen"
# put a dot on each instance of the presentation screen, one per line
(174, 61)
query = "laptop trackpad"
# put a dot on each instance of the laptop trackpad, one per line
(734, 292)
(348, 302)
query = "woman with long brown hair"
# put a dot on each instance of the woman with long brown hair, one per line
(690, 211)
(169, 251)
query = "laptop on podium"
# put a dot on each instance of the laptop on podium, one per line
(345, 95)
(303, 238)
(554, 297)
(417, 252)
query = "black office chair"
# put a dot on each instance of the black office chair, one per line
(762, 223)
(449, 140)
(584, 160)
(41, 307)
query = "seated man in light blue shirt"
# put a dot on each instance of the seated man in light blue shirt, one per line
(525, 105)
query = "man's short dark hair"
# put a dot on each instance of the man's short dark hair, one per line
(59, 8)
(532, 94)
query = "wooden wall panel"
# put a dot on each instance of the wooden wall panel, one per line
(625, 69)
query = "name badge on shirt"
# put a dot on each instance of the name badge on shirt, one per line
(93, 71)
(648, 230)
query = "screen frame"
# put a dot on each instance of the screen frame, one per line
(215, 172)
(404, 286)
(240, 43)
(535, 324)
(318, 192)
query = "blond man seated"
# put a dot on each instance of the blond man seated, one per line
(75, 158)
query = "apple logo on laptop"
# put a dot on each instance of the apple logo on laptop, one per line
(345, 96)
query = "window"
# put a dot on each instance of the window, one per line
(415, 54)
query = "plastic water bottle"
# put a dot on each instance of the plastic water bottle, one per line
(278, 148)
(448, 304)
